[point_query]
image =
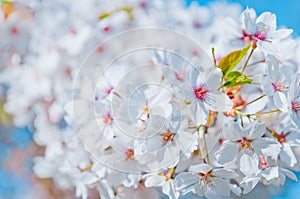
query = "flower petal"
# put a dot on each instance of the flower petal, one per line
(280, 101)
(280, 34)
(249, 164)
(155, 181)
(287, 155)
(227, 153)
(169, 190)
(268, 146)
(185, 181)
(225, 173)
(200, 168)
(258, 129)
(217, 101)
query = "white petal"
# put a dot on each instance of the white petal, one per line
(268, 19)
(225, 173)
(105, 190)
(258, 129)
(199, 113)
(200, 168)
(267, 47)
(249, 20)
(185, 180)
(213, 78)
(249, 183)
(199, 191)
(267, 88)
(249, 164)
(217, 101)
(287, 155)
(236, 189)
(289, 174)
(155, 181)
(186, 141)
(221, 188)
(169, 190)
(270, 173)
(280, 34)
(268, 146)
(163, 95)
(227, 153)
(232, 131)
(280, 101)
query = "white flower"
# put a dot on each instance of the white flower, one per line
(267, 174)
(169, 143)
(263, 30)
(205, 181)
(293, 100)
(276, 83)
(164, 180)
(105, 120)
(287, 137)
(204, 95)
(245, 144)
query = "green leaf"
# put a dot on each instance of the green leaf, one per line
(104, 15)
(236, 78)
(5, 118)
(128, 10)
(228, 62)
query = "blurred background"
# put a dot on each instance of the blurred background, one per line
(17, 148)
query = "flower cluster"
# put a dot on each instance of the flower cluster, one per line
(214, 122)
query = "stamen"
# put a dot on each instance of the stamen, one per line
(207, 177)
(295, 106)
(108, 119)
(278, 86)
(108, 90)
(167, 137)
(261, 35)
(129, 154)
(200, 93)
(245, 144)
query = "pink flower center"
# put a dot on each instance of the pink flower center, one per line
(245, 142)
(73, 31)
(14, 30)
(246, 37)
(200, 93)
(282, 138)
(129, 154)
(143, 4)
(221, 141)
(197, 24)
(107, 29)
(278, 87)
(108, 90)
(261, 35)
(108, 119)
(100, 49)
(295, 106)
